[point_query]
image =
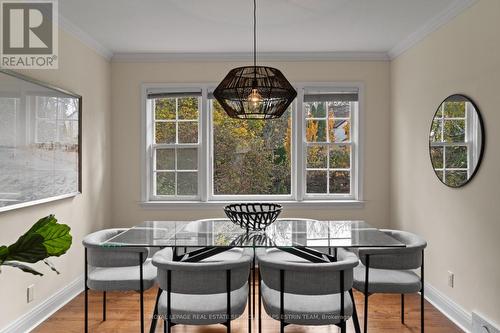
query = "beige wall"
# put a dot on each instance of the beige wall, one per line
(88, 74)
(462, 226)
(126, 161)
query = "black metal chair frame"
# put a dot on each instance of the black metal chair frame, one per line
(367, 294)
(141, 293)
(168, 324)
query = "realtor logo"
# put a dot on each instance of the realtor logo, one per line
(29, 34)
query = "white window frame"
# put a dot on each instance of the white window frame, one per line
(298, 151)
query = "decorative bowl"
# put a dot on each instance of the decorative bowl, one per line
(253, 216)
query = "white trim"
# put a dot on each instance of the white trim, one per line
(248, 56)
(36, 202)
(429, 27)
(453, 311)
(44, 310)
(219, 205)
(84, 38)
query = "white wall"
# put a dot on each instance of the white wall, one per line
(462, 226)
(88, 74)
(126, 98)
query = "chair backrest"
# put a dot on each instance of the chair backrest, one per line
(200, 278)
(308, 278)
(409, 257)
(100, 256)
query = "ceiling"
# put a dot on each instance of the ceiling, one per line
(203, 26)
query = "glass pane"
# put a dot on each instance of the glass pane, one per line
(340, 157)
(46, 131)
(454, 131)
(316, 182)
(316, 131)
(251, 157)
(315, 110)
(165, 108)
(165, 132)
(339, 130)
(47, 107)
(454, 109)
(68, 109)
(436, 130)
(68, 132)
(188, 108)
(456, 157)
(439, 174)
(437, 157)
(456, 178)
(165, 159)
(187, 183)
(339, 109)
(165, 183)
(187, 159)
(317, 156)
(188, 132)
(340, 182)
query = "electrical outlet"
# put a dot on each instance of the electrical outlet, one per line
(451, 279)
(30, 293)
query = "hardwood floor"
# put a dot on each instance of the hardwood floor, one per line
(123, 317)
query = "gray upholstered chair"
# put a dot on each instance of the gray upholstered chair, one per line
(116, 269)
(390, 270)
(202, 293)
(295, 291)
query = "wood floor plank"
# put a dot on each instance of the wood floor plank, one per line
(123, 317)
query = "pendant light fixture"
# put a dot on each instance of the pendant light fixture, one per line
(255, 92)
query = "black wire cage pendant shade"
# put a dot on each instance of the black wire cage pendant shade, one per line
(255, 92)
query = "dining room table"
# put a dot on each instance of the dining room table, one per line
(316, 241)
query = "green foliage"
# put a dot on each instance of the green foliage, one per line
(46, 238)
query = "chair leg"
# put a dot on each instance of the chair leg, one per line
(164, 326)
(250, 302)
(367, 270)
(282, 326)
(402, 309)
(154, 321)
(103, 306)
(422, 309)
(86, 294)
(260, 304)
(141, 276)
(343, 327)
(354, 313)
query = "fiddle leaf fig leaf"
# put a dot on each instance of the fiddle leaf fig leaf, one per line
(23, 267)
(46, 238)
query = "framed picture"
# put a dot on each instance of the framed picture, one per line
(40, 142)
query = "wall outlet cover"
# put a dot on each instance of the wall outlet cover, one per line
(30, 293)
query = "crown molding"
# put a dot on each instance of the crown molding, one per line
(248, 56)
(84, 38)
(430, 26)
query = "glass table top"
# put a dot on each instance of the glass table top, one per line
(287, 232)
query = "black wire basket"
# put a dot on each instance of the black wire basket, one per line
(253, 216)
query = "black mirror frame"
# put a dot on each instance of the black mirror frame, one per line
(483, 140)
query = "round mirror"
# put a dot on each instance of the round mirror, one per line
(456, 140)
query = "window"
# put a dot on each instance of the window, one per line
(328, 143)
(195, 152)
(451, 146)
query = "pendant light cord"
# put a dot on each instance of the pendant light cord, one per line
(254, 33)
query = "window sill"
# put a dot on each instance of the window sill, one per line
(218, 205)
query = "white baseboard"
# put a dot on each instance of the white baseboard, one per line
(449, 308)
(42, 311)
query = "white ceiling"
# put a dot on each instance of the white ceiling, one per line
(201, 26)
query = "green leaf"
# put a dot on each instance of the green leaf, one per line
(46, 238)
(23, 267)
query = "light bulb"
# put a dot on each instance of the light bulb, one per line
(255, 98)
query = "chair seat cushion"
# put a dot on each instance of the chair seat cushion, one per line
(121, 278)
(203, 309)
(229, 255)
(386, 280)
(306, 309)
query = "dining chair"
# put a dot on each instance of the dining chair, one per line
(115, 269)
(390, 270)
(295, 291)
(202, 293)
